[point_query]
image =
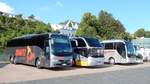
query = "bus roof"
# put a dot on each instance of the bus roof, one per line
(82, 37)
(28, 36)
(34, 35)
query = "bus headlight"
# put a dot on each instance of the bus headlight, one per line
(98, 51)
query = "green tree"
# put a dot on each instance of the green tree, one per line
(87, 26)
(11, 27)
(140, 32)
(109, 27)
(103, 27)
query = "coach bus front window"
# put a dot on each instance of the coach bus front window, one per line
(96, 47)
(60, 45)
(93, 42)
(130, 49)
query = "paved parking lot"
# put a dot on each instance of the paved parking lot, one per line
(10, 73)
(127, 76)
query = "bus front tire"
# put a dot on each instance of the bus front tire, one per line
(13, 60)
(73, 62)
(38, 63)
(111, 61)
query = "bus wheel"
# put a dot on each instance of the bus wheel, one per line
(38, 63)
(15, 61)
(73, 62)
(12, 59)
(111, 61)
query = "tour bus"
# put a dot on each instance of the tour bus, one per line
(87, 52)
(42, 50)
(120, 51)
(143, 47)
(145, 52)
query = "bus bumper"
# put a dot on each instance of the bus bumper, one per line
(61, 63)
(135, 60)
(95, 61)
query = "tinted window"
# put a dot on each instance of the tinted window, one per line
(108, 45)
(92, 42)
(16, 43)
(120, 47)
(73, 43)
(130, 49)
(60, 44)
(81, 43)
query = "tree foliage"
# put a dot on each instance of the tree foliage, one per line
(105, 26)
(11, 27)
(87, 26)
(142, 33)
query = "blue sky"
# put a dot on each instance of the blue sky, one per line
(133, 14)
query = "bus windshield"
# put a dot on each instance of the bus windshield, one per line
(92, 42)
(60, 44)
(130, 49)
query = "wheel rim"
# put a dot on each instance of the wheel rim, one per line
(14, 60)
(38, 63)
(112, 61)
(11, 59)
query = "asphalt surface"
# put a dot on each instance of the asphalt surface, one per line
(128, 76)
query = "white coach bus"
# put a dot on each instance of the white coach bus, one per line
(87, 51)
(120, 51)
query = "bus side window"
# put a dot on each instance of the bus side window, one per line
(108, 45)
(103, 45)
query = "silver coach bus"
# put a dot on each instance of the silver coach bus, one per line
(120, 51)
(41, 50)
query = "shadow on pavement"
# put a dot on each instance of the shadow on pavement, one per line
(54, 69)
(62, 68)
(100, 66)
(130, 64)
(3, 65)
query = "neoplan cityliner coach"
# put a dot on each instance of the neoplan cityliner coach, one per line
(41, 50)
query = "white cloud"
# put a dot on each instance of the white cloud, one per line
(5, 8)
(59, 4)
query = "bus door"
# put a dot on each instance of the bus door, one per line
(80, 52)
(47, 52)
(81, 56)
(120, 47)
